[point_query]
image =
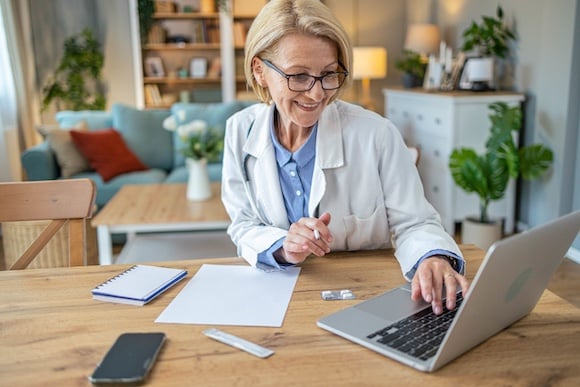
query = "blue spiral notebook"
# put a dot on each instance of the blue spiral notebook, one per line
(138, 285)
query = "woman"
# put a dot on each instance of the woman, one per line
(305, 173)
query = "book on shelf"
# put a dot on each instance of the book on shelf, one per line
(138, 285)
(239, 34)
(212, 31)
(152, 95)
(199, 32)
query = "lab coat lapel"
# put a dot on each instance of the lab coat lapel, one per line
(264, 171)
(329, 154)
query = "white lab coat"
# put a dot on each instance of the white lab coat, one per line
(364, 176)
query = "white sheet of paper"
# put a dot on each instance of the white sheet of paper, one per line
(233, 295)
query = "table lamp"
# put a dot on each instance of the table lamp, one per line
(423, 39)
(369, 63)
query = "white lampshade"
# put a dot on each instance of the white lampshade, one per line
(423, 38)
(369, 62)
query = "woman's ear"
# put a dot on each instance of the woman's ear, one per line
(258, 71)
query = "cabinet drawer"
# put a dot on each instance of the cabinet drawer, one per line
(410, 117)
(437, 186)
(432, 151)
(432, 122)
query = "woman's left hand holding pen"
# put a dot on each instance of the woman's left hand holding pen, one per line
(307, 236)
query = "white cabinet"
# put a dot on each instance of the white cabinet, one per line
(436, 123)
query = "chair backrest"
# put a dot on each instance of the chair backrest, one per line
(62, 202)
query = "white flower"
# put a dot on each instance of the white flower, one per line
(170, 124)
(195, 127)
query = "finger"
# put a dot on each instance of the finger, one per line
(451, 290)
(437, 303)
(301, 234)
(464, 283)
(426, 284)
(415, 287)
(320, 228)
(325, 218)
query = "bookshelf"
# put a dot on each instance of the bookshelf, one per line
(195, 56)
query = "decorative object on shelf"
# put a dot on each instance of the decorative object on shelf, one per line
(369, 63)
(439, 70)
(76, 83)
(198, 67)
(184, 96)
(207, 6)
(488, 40)
(154, 67)
(488, 174)
(157, 34)
(413, 69)
(200, 145)
(163, 6)
(182, 73)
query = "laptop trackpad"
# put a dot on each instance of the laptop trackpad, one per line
(392, 305)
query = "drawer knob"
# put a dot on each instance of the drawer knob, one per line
(438, 121)
(436, 153)
(420, 117)
(435, 189)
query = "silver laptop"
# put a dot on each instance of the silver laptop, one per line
(509, 283)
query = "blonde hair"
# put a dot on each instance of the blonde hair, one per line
(279, 18)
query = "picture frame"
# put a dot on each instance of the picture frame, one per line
(154, 67)
(198, 67)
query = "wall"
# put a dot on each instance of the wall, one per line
(374, 23)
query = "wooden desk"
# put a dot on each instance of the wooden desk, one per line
(53, 333)
(155, 208)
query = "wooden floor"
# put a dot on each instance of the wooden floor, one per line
(565, 282)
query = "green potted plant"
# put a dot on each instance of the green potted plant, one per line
(488, 41)
(488, 174)
(146, 10)
(413, 68)
(489, 38)
(76, 83)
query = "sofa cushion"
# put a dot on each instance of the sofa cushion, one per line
(107, 189)
(70, 160)
(95, 119)
(107, 152)
(214, 114)
(143, 133)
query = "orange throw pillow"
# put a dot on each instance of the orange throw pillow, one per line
(107, 152)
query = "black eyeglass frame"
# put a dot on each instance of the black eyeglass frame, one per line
(319, 78)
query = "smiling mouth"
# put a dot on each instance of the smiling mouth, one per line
(308, 106)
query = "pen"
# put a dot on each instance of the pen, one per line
(316, 234)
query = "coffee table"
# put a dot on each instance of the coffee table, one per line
(156, 208)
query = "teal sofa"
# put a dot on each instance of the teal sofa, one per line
(143, 133)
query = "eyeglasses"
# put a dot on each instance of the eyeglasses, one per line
(305, 82)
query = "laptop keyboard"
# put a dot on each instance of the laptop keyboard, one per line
(418, 335)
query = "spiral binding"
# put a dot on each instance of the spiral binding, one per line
(117, 276)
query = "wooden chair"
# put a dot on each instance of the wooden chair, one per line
(63, 202)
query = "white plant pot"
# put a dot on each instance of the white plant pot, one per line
(483, 235)
(198, 184)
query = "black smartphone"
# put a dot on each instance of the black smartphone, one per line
(130, 359)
